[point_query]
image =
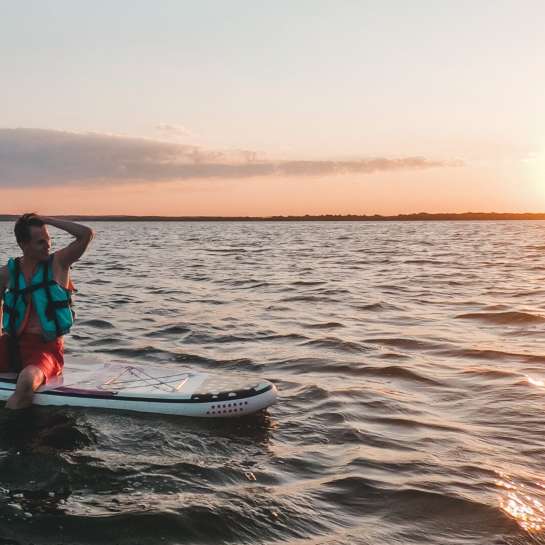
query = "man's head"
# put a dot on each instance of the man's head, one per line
(32, 236)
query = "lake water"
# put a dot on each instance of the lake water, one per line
(410, 362)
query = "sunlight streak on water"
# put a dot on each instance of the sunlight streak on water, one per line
(522, 504)
(535, 381)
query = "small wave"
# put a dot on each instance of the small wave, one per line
(255, 286)
(412, 423)
(170, 330)
(280, 337)
(184, 357)
(495, 308)
(376, 307)
(135, 352)
(356, 493)
(204, 338)
(333, 343)
(123, 300)
(391, 287)
(394, 356)
(308, 299)
(338, 291)
(311, 393)
(422, 262)
(245, 284)
(504, 318)
(352, 492)
(408, 344)
(105, 341)
(489, 372)
(225, 250)
(301, 365)
(346, 369)
(238, 364)
(98, 324)
(445, 508)
(532, 293)
(278, 308)
(166, 291)
(197, 277)
(491, 355)
(323, 325)
(396, 371)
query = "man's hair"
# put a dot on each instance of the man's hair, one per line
(23, 225)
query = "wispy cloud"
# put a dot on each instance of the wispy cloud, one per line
(39, 157)
(173, 132)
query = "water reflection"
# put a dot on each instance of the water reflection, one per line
(522, 503)
(535, 381)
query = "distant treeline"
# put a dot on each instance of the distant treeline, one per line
(422, 216)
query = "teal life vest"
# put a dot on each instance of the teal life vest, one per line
(52, 302)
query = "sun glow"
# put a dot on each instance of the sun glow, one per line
(535, 167)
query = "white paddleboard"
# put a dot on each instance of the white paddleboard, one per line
(151, 389)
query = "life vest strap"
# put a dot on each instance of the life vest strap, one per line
(32, 287)
(50, 309)
(52, 306)
(8, 309)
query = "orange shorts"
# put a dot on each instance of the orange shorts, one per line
(46, 355)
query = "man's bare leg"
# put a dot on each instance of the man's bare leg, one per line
(30, 379)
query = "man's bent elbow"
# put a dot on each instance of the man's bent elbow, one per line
(89, 235)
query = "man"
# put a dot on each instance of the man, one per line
(35, 290)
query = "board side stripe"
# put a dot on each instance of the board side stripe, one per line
(114, 397)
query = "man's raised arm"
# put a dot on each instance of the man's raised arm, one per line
(75, 249)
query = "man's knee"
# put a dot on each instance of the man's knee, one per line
(30, 379)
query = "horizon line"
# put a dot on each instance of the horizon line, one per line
(415, 216)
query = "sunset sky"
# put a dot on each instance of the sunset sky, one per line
(265, 108)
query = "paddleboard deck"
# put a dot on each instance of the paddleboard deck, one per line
(151, 389)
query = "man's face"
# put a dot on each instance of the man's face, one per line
(38, 246)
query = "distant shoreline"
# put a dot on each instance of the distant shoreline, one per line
(422, 216)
